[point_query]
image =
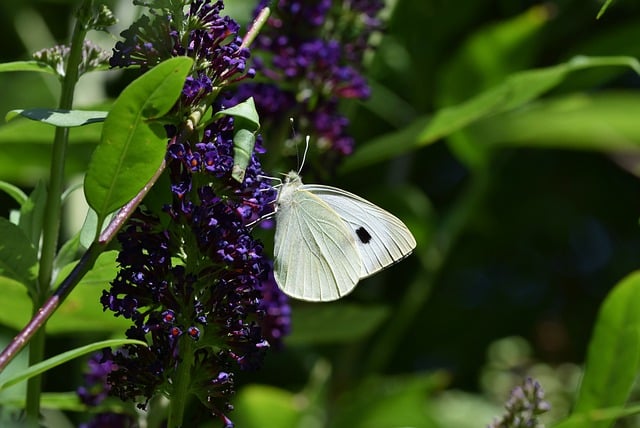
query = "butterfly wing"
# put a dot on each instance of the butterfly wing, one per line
(315, 254)
(381, 237)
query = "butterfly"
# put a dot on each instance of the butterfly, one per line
(328, 239)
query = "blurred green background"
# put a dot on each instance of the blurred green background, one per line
(525, 219)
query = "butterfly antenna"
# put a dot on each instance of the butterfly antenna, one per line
(304, 156)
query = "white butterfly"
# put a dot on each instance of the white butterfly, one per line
(328, 239)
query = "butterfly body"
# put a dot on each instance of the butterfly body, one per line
(327, 239)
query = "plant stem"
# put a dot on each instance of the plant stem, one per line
(432, 260)
(182, 381)
(51, 223)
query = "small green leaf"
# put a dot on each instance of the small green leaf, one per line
(18, 258)
(133, 144)
(57, 117)
(52, 362)
(334, 323)
(243, 143)
(32, 213)
(517, 90)
(613, 357)
(26, 66)
(246, 124)
(246, 110)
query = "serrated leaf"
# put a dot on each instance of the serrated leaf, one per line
(334, 323)
(132, 144)
(18, 258)
(27, 66)
(613, 358)
(52, 362)
(514, 92)
(57, 117)
(32, 214)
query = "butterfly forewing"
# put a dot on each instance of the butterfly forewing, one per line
(316, 256)
(381, 238)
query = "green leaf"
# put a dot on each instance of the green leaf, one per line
(264, 406)
(27, 66)
(35, 138)
(243, 143)
(614, 351)
(245, 110)
(246, 123)
(334, 323)
(133, 145)
(517, 90)
(80, 312)
(57, 117)
(605, 121)
(32, 214)
(52, 362)
(597, 416)
(18, 258)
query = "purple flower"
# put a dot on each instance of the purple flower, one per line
(96, 389)
(192, 278)
(193, 272)
(210, 39)
(524, 406)
(312, 51)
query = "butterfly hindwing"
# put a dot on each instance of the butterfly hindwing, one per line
(382, 239)
(316, 256)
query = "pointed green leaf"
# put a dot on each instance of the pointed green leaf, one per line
(515, 91)
(57, 117)
(133, 144)
(246, 110)
(52, 362)
(18, 258)
(614, 351)
(605, 121)
(243, 143)
(246, 124)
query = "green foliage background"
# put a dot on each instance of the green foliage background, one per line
(524, 202)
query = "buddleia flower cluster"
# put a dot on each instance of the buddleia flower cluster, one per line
(311, 53)
(524, 406)
(195, 284)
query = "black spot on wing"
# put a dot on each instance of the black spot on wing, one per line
(363, 235)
